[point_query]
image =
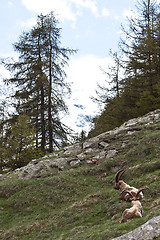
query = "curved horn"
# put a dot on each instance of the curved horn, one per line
(127, 192)
(140, 190)
(119, 174)
(124, 193)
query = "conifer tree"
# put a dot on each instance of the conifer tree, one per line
(141, 49)
(20, 143)
(40, 80)
(112, 86)
(140, 88)
(3, 126)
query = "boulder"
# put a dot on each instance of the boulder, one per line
(75, 163)
(111, 153)
(73, 149)
(147, 231)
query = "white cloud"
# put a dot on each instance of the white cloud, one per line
(88, 4)
(5, 91)
(84, 72)
(10, 4)
(61, 7)
(29, 23)
(4, 72)
(105, 12)
(65, 9)
(129, 13)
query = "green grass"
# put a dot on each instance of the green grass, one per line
(81, 203)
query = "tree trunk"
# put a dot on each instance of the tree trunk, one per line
(42, 107)
(43, 140)
(50, 101)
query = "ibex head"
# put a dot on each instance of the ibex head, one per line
(119, 183)
(136, 197)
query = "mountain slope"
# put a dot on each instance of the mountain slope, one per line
(70, 195)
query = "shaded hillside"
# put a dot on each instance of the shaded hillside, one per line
(70, 195)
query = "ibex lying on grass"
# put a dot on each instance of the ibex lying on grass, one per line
(136, 211)
(125, 188)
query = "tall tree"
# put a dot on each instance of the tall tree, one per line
(40, 79)
(141, 49)
(3, 129)
(140, 88)
(57, 58)
(112, 86)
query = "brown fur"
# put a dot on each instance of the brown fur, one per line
(123, 187)
(136, 211)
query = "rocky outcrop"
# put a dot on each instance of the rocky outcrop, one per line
(105, 146)
(91, 151)
(148, 231)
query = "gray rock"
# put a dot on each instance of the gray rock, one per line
(91, 161)
(103, 144)
(111, 153)
(91, 150)
(90, 142)
(146, 119)
(81, 156)
(123, 145)
(32, 169)
(147, 231)
(29, 171)
(60, 163)
(100, 155)
(75, 163)
(75, 148)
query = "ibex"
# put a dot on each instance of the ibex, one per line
(136, 211)
(125, 188)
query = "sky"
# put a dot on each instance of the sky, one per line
(93, 27)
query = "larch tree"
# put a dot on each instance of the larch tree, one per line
(142, 51)
(39, 76)
(111, 88)
(139, 87)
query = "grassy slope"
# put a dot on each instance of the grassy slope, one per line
(81, 203)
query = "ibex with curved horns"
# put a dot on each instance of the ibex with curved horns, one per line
(136, 211)
(125, 188)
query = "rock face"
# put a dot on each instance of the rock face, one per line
(90, 152)
(149, 230)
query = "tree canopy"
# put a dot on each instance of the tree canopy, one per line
(39, 79)
(139, 90)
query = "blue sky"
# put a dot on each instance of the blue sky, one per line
(91, 26)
